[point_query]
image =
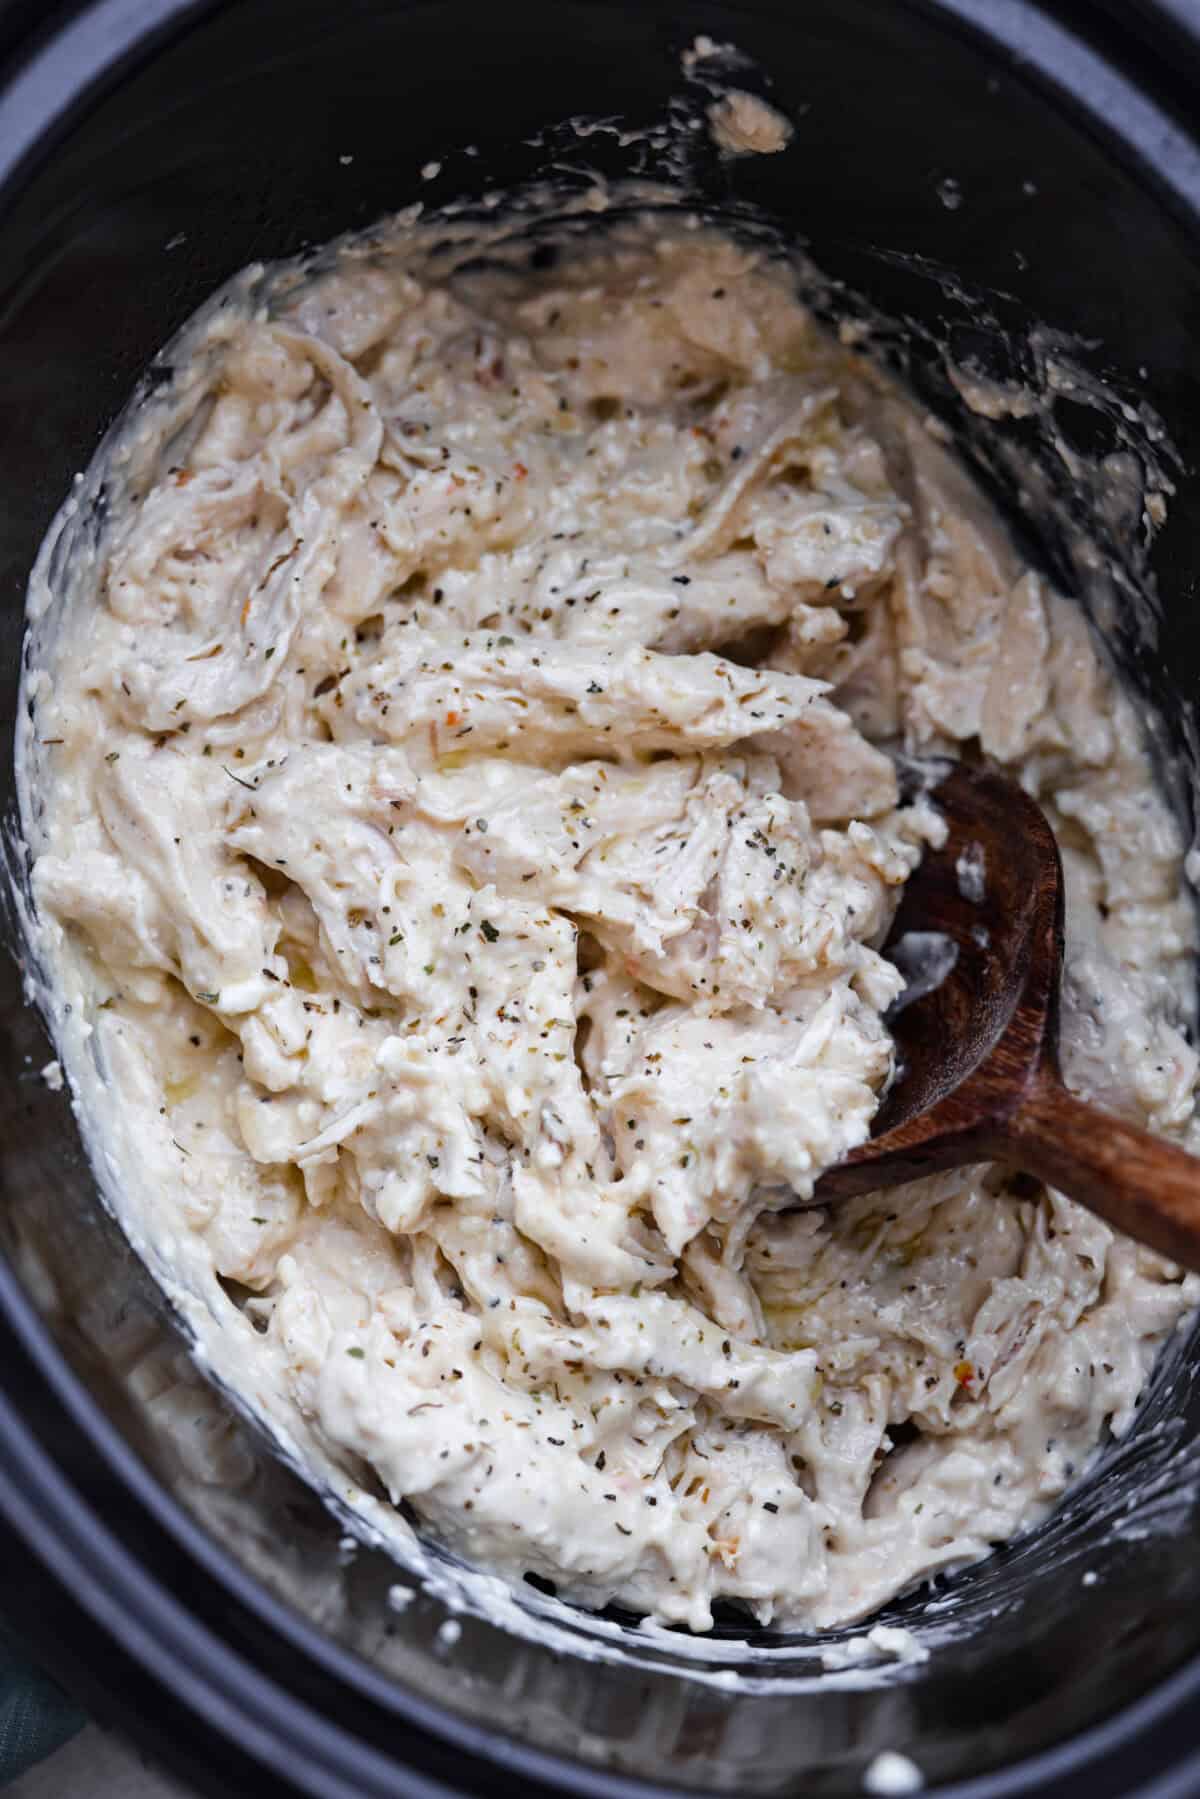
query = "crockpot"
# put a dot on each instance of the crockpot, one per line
(987, 183)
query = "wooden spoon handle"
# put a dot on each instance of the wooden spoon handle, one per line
(1146, 1187)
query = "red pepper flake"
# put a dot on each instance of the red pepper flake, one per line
(520, 471)
(964, 1374)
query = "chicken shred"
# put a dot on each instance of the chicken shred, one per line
(469, 835)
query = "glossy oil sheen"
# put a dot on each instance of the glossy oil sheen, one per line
(223, 139)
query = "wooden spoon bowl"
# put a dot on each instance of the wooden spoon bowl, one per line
(977, 1050)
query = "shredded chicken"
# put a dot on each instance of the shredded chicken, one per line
(467, 835)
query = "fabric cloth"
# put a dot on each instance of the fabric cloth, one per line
(36, 1716)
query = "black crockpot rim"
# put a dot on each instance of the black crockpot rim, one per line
(47, 81)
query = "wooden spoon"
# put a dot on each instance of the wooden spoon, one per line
(977, 1052)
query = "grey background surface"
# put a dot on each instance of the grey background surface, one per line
(95, 1765)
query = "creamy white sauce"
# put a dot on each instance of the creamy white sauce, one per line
(970, 870)
(925, 959)
(475, 956)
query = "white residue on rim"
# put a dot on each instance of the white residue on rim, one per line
(892, 1773)
(884, 1641)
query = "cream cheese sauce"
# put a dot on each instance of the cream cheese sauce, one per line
(462, 832)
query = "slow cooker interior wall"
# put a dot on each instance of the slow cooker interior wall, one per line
(232, 143)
